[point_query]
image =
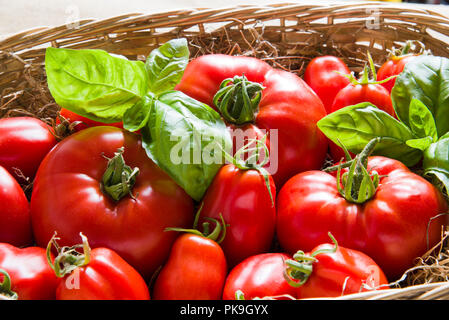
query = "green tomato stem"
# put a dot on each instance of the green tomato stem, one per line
(238, 99)
(118, 178)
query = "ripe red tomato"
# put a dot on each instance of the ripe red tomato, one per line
(24, 142)
(84, 122)
(322, 77)
(243, 198)
(15, 226)
(393, 67)
(31, 276)
(287, 105)
(259, 276)
(334, 271)
(357, 93)
(98, 274)
(195, 270)
(397, 224)
(73, 194)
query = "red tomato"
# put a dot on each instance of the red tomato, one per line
(24, 142)
(84, 122)
(196, 270)
(288, 105)
(31, 276)
(69, 196)
(259, 276)
(98, 274)
(322, 77)
(392, 227)
(242, 197)
(337, 271)
(393, 67)
(15, 226)
(357, 93)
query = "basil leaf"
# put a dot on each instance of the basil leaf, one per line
(425, 78)
(137, 116)
(436, 161)
(420, 143)
(165, 65)
(421, 120)
(186, 138)
(356, 125)
(93, 83)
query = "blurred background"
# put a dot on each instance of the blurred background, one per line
(21, 15)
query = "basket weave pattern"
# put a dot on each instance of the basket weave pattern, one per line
(286, 36)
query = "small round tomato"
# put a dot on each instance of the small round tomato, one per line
(15, 226)
(332, 271)
(393, 67)
(259, 276)
(324, 75)
(31, 276)
(358, 91)
(98, 274)
(24, 142)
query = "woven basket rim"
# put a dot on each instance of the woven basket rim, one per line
(260, 10)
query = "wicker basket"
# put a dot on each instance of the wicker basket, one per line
(286, 36)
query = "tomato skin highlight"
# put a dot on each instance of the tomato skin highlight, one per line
(85, 122)
(343, 272)
(106, 277)
(392, 67)
(68, 198)
(321, 76)
(391, 227)
(288, 105)
(24, 142)
(242, 197)
(15, 226)
(259, 276)
(31, 276)
(195, 270)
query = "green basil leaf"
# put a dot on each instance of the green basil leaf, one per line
(186, 138)
(93, 83)
(356, 125)
(425, 78)
(420, 143)
(136, 117)
(165, 65)
(421, 120)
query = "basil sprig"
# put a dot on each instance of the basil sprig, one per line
(183, 136)
(421, 101)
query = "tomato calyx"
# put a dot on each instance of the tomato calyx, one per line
(252, 161)
(365, 79)
(357, 185)
(68, 258)
(238, 99)
(64, 128)
(217, 234)
(5, 287)
(118, 178)
(299, 269)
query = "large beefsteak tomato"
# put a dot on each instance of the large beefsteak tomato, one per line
(119, 199)
(287, 105)
(393, 219)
